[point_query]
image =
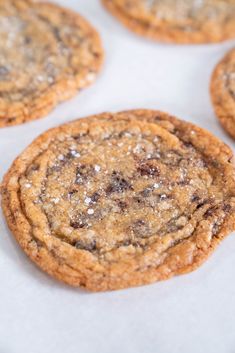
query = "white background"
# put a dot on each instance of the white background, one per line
(194, 313)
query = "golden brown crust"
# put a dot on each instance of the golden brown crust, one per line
(223, 92)
(62, 53)
(177, 22)
(113, 261)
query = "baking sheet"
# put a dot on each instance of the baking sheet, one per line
(192, 313)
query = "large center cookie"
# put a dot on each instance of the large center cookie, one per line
(223, 92)
(181, 21)
(47, 53)
(120, 200)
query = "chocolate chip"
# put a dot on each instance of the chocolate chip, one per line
(122, 205)
(118, 184)
(188, 145)
(146, 192)
(3, 71)
(27, 40)
(79, 136)
(172, 226)
(11, 120)
(69, 155)
(80, 221)
(77, 224)
(72, 192)
(82, 245)
(183, 182)
(214, 209)
(202, 203)
(32, 168)
(227, 208)
(216, 226)
(158, 117)
(138, 199)
(141, 228)
(195, 198)
(215, 164)
(124, 133)
(51, 170)
(83, 172)
(148, 169)
(95, 197)
(210, 211)
(56, 33)
(163, 197)
(126, 242)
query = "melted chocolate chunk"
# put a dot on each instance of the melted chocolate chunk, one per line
(139, 200)
(182, 182)
(83, 173)
(79, 137)
(148, 169)
(77, 224)
(141, 229)
(27, 40)
(32, 168)
(51, 170)
(95, 197)
(210, 211)
(216, 226)
(124, 133)
(72, 192)
(227, 208)
(172, 226)
(80, 221)
(82, 245)
(122, 205)
(202, 203)
(189, 145)
(195, 198)
(118, 184)
(11, 120)
(146, 192)
(3, 72)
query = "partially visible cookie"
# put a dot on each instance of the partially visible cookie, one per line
(223, 92)
(120, 200)
(47, 54)
(181, 21)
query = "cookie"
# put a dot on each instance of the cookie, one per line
(180, 21)
(120, 200)
(48, 53)
(223, 92)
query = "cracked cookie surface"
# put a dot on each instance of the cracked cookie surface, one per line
(180, 21)
(47, 54)
(223, 92)
(119, 200)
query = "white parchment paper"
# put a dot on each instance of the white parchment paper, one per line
(194, 313)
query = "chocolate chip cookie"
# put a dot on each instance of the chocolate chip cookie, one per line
(47, 54)
(192, 21)
(223, 92)
(119, 200)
